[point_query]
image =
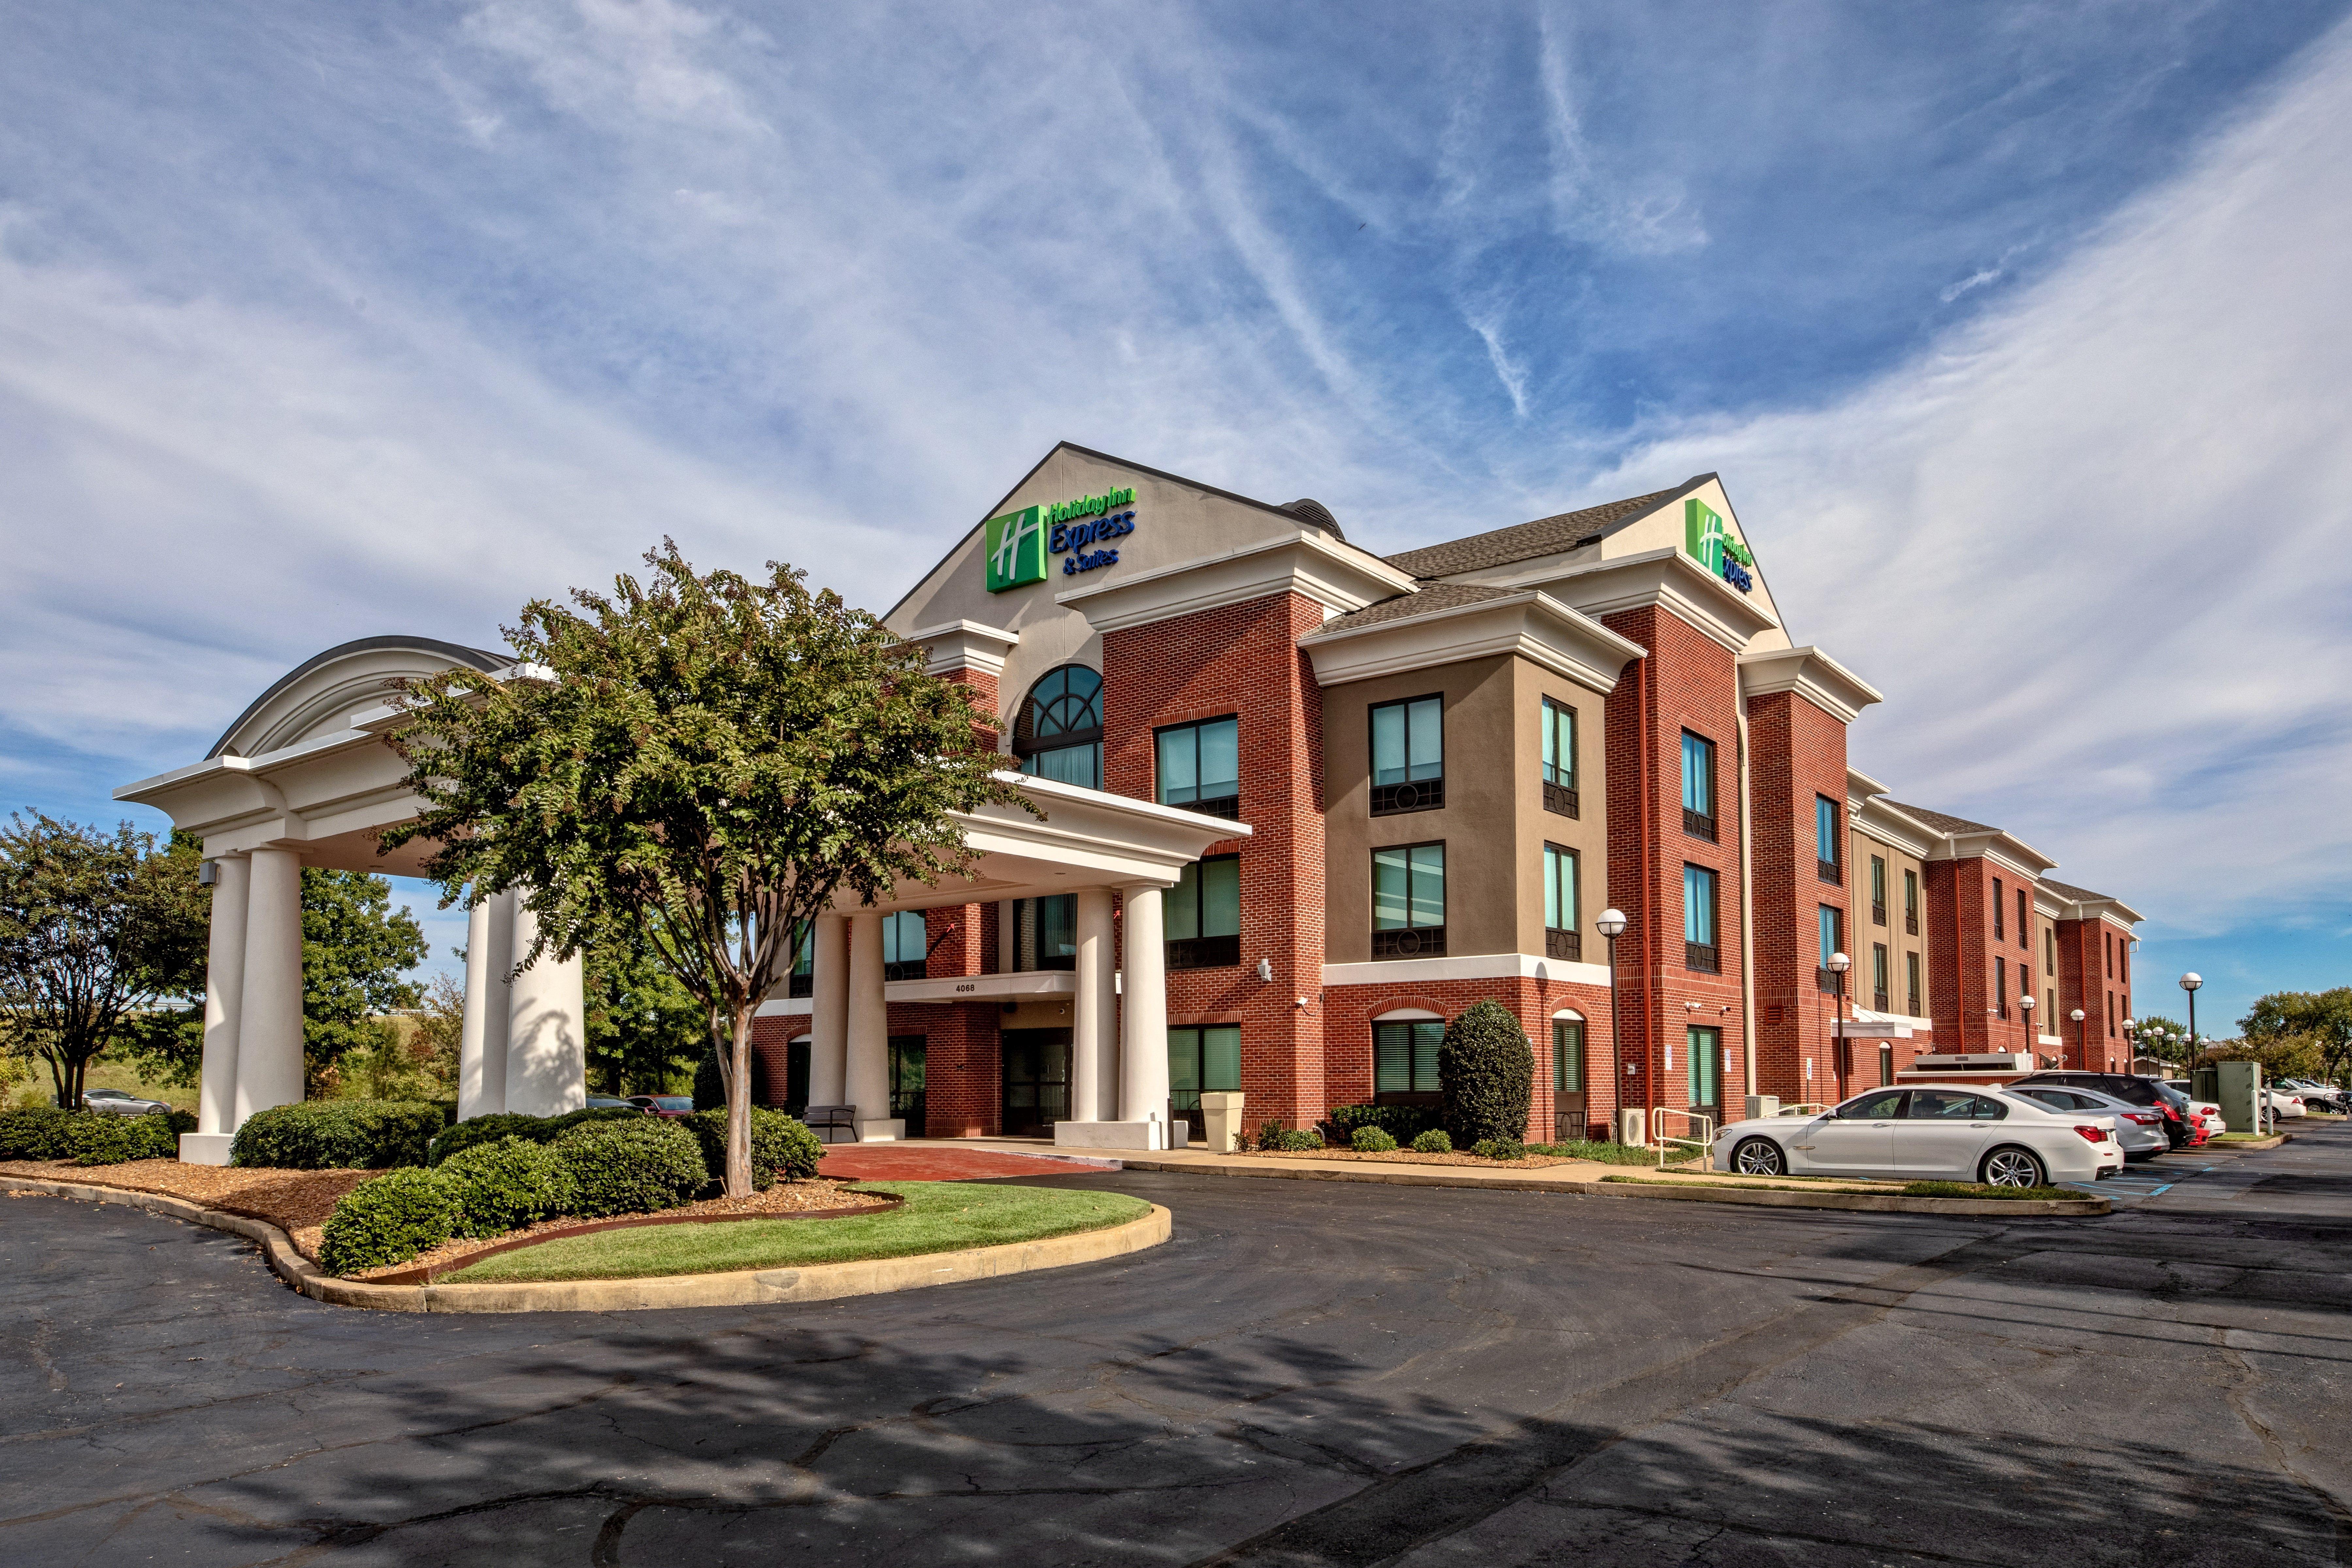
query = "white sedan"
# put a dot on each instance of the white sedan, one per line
(1941, 1132)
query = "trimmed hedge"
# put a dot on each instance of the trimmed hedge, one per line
(337, 1135)
(1303, 1138)
(781, 1145)
(1371, 1141)
(503, 1186)
(1485, 1075)
(500, 1125)
(1499, 1149)
(388, 1220)
(1433, 1142)
(91, 1137)
(37, 1133)
(1401, 1122)
(631, 1167)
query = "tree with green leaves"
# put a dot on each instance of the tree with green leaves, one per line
(2324, 1016)
(354, 948)
(696, 766)
(643, 1028)
(96, 930)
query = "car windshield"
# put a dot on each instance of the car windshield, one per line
(108, 1094)
(674, 1102)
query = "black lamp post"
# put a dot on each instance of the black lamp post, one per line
(1839, 964)
(2082, 1040)
(2189, 983)
(1611, 925)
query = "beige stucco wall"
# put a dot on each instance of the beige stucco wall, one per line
(1587, 833)
(1898, 941)
(1663, 530)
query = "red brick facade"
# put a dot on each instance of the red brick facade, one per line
(1798, 758)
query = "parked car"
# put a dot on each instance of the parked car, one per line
(2153, 1093)
(114, 1102)
(1957, 1133)
(671, 1106)
(2208, 1114)
(2139, 1128)
(2285, 1104)
(2315, 1096)
(610, 1103)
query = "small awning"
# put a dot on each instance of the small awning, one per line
(1866, 1025)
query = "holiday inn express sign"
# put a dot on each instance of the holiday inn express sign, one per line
(1020, 543)
(1709, 542)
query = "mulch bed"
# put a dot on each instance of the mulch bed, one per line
(1408, 1157)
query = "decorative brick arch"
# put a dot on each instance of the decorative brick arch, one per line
(1398, 1003)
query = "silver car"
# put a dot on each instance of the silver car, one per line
(114, 1102)
(2139, 1128)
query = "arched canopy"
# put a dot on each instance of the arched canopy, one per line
(317, 695)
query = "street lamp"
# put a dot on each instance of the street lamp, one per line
(1611, 925)
(2131, 1034)
(2082, 1043)
(1839, 964)
(2189, 983)
(2025, 1005)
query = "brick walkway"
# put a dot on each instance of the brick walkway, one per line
(919, 1163)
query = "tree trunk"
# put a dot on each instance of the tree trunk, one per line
(739, 1106)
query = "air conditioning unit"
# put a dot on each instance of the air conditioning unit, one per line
(1633, 1126)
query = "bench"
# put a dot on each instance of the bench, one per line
(831, 1123)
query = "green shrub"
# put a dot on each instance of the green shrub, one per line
(1371, 1141)
(1499, 1149)
(505, 1185)
(182, 1122)
(388, 1220)
(1270, 1133)
(1485, 1075)
(104, 1139)
(1433, 1142)
(481, 1130)
(1401, 1122)
(781, 1146)
(1303, 1138)
(37, 1133)
(631, 1167)
(337, 1135)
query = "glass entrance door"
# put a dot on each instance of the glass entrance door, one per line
(1036, 1081)
(906, 1052)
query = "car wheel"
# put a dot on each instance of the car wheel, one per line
(1758, 1157)
(2011, 1166)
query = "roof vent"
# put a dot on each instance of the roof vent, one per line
(1315, 514)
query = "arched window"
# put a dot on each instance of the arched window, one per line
(1059, 732)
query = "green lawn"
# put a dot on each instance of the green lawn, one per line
(1612, 1153)
(938, 1216)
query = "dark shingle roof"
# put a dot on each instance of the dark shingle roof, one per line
(1432, 599)
(1943, 822)
(2072, 894)
(1525, 541)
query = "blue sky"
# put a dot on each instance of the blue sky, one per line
(2015, 330)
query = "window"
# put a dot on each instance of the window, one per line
(1699, 949)
(1886, 1061)
(2001, 986)
(1559, 758)
(903, 945)
(2123, 964)
(1203, 914)
(2110, 942)
(1567, 1056)
(2111, 1015)
(1826, 859)
(1877, 891)
(1997, 932)
(1878, 975)
(2024, 937)
(907, 1061)
(1404, 1057)
(2049, 951)
(802, 982)
(2049, 1015)
(1046, 932)
(1059, 732)
(1705, 1065)
(1699, 786)
(1884, 1105)
(1409, 901)
(1910, 903)
(1204, 1060)
(1201, 766)
(1562, 928)
(1407, 756)
(1911, 980)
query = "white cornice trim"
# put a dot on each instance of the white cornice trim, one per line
(1533, 626)
(1671, 580)
(1471, 966)
(1873, 818)
(1860, 785)
(1812, 675)
(965, 645)
(1338, 577)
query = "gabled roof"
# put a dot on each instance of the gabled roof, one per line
(1313, 513)
(2072, 894)
(1429, 601)
(1943, 822)
(1545, 536)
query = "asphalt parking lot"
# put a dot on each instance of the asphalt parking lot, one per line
(1310, 1373)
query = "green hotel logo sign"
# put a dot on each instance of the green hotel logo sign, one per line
(1019, 544)
(1709, 542)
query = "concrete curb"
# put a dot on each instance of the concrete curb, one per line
(748, 1287)
(1882, 1202)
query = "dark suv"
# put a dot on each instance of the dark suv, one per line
(2179, 1126)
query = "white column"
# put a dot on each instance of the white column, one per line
(1144, 1031)
(482, 1047)
(224, 990)
(829, 1010)
(270, 1009)
(868, 1077)
(547, 1032)
(1094, 1020)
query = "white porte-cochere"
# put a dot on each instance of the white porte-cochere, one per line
(305, 778)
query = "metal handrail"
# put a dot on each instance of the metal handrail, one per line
(1704, 1142)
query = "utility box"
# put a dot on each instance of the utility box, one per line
(1633, 1126)
(1220, 1120)
(1761, 1106)
(2240, 1093)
